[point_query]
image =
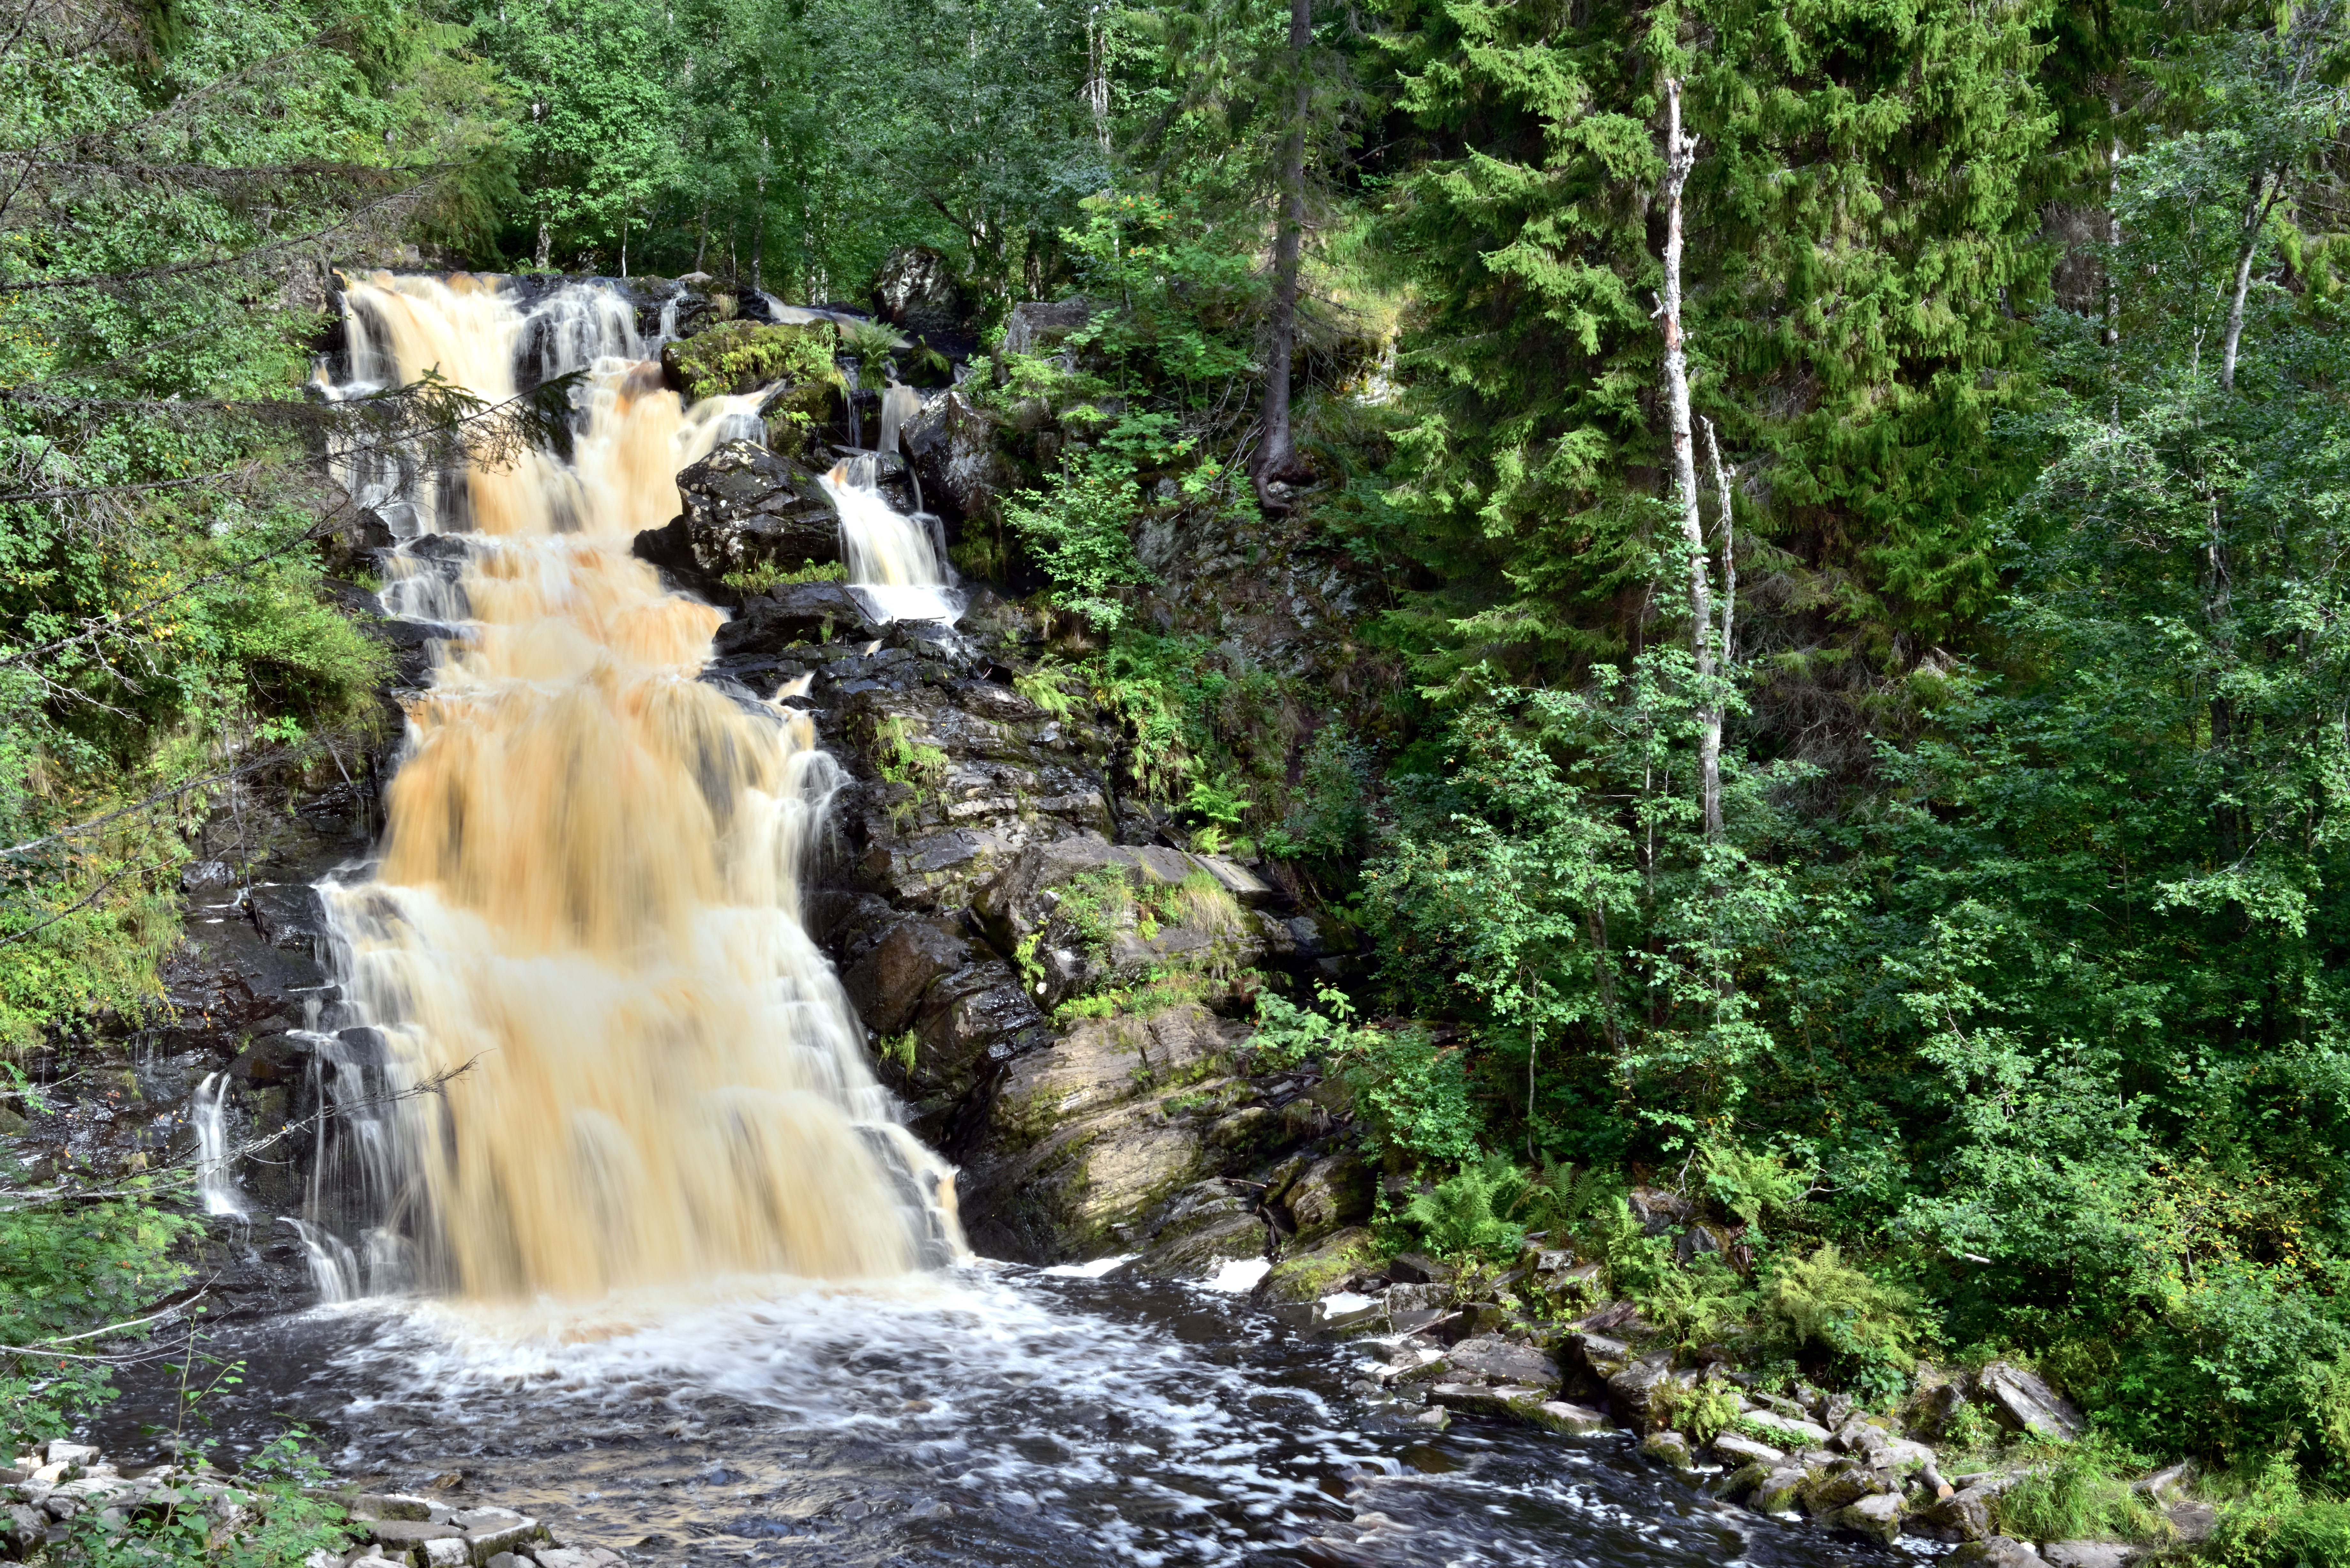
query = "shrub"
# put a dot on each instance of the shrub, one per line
(1822, 1304)
(1458, 1218)
(737, 357)
(1076, 530)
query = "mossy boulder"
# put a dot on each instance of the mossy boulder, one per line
(1321, 1269)
(739, 356)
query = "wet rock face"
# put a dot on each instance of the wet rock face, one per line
(952, 446)
(1084, 1140)
(746, 508)
(790, 614)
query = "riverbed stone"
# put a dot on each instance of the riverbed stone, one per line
(1996, 1551)
(1563, 1415)
(1636, 1388)
(1778, 1492)
(1840, 1485)
(1733, 1449)
(2088, 1553)
(400, 1535)
(1964, 1515)
(1498, 1360)
(2022, 1403)
(1878, 1517)
(1604, 1356)
(1670, 1447)
(1316, 1271)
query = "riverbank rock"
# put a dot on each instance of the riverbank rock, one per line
(1996, 1551)
(1318, 1271)
(2022, 1402)
(1088, 1135)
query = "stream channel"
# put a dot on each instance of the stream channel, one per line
(990, 1414)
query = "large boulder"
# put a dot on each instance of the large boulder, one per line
(1207, 1226)
(916, 292)
(1498, 1360)
(1317, 1271)
(789, 614)
(2022, 1403)
(1085, 1140)
(1036, 326)
(1330, 1193)
(747, 509)
(952, 446)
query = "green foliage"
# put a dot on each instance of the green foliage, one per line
(1077, 529)
(903, 759)
(1046, 687)
(2280, 1524)
(737, 357)
(1457, 1218)
(2081, 1492)
(68, 1265)
(1704, 1409)
(1329, 820)
(766, 575)
(1287, 1034)
(1824, 1305)
(1414, 1094)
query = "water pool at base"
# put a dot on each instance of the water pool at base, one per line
(992, 1415)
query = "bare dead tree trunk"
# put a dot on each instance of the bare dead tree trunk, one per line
(1277, 455)
(1728, 550)
(1681, 157)
(1098, 78)
(2266, 187)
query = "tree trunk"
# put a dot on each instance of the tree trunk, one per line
(759, 235)
(1277, 455)
(546, 244)
(2265, 190)
(1728, 553)
(1681, 157)
(1098, 78)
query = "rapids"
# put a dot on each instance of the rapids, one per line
(986, 1415)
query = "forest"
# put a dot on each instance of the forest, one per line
(1852, 497)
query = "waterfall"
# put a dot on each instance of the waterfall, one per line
(334, 1267)
(215, 1177)
(602, 1051)
(900, 402)
(895, 562)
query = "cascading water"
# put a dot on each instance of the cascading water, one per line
(583, 934)
(215, 1176)
(894, 561)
